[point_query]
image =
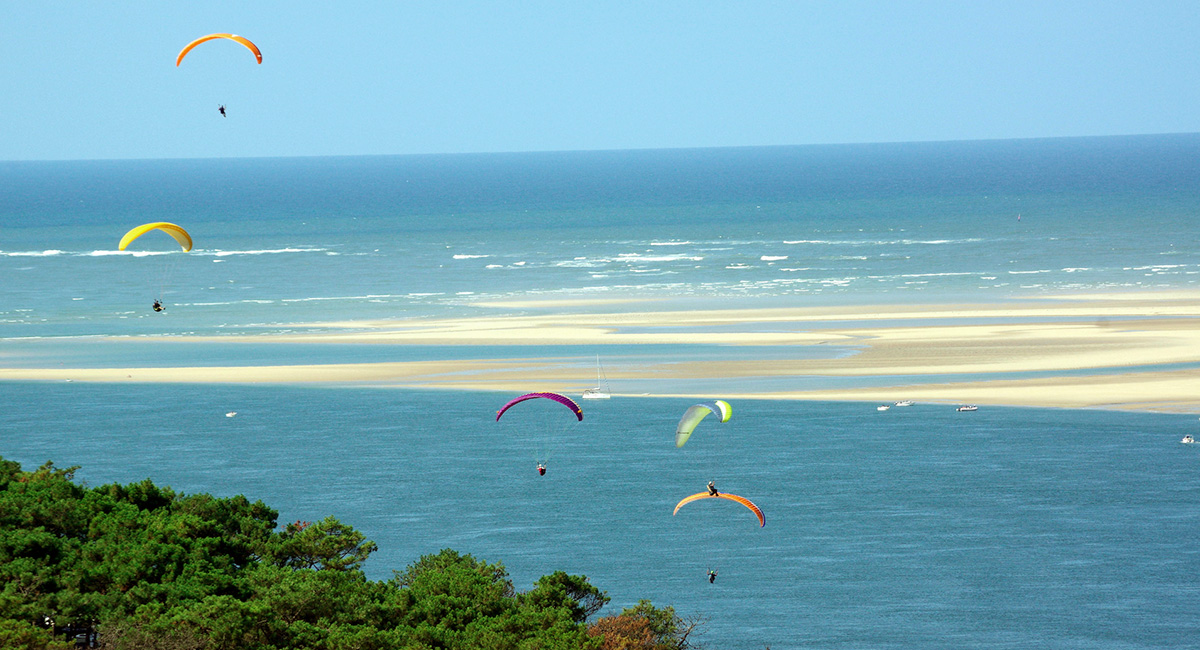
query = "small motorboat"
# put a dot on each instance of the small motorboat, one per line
(231, 414)
(1187, 440)
(967, 407)
(883, 407)
(904, 402)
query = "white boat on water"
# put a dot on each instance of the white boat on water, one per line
(231, 414)
(601, 390)
(904, 402)
(883, 407)
(1187, 440)
(967, 407)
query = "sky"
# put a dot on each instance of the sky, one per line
(97, 80)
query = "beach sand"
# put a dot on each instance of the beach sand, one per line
(1115, 351)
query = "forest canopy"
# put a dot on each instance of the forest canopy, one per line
(141, 566)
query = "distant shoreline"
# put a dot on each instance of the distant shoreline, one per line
(1128, 351)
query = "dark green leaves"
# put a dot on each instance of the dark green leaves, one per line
(152, 568)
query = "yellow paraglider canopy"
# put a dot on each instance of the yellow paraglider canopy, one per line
(180, 235)
(233, 37)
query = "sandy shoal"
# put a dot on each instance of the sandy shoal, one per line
(1121, 351)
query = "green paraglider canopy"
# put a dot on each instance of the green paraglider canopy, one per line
(694, 415)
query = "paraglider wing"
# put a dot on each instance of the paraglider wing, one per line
(692, 417)
(762, 519)
(180, 235)
(722, 408)
(561, 399)
(233, 37)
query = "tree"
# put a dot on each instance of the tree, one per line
(450, 590)
(574, 593)
(457, 601)
(646, 627)
(624, 633)
(18, 635)
(152, 569)
(328, 545)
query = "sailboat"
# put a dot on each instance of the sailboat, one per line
(601, 389)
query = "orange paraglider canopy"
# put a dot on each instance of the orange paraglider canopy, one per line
(233, 37)
(762, 520)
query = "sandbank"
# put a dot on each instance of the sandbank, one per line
(1117, 351)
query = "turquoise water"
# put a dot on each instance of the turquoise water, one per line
(283, 243)
(917, 527)
(913, 528)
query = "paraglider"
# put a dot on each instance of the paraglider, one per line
(712, 576)
(178, 233)
(762, 519)
(544, 431)
(695, 414)
(233, 37)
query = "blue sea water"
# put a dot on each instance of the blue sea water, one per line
(914, 528)
(283, 242)
(918, 527)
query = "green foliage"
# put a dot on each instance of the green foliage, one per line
(327, 544)
(155, 569)
(19, 635)
(573, 593)
(456, 601)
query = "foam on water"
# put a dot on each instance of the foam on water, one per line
(45, 253)
(274, 251)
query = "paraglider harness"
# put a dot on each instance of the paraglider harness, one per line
(157, 306)
(712, 489)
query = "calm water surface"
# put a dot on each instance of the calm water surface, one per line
(917, 527)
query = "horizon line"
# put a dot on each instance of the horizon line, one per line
(615, 150)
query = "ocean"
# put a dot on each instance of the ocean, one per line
(918, 527)
(286, 241)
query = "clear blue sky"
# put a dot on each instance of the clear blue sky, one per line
(85, 80)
